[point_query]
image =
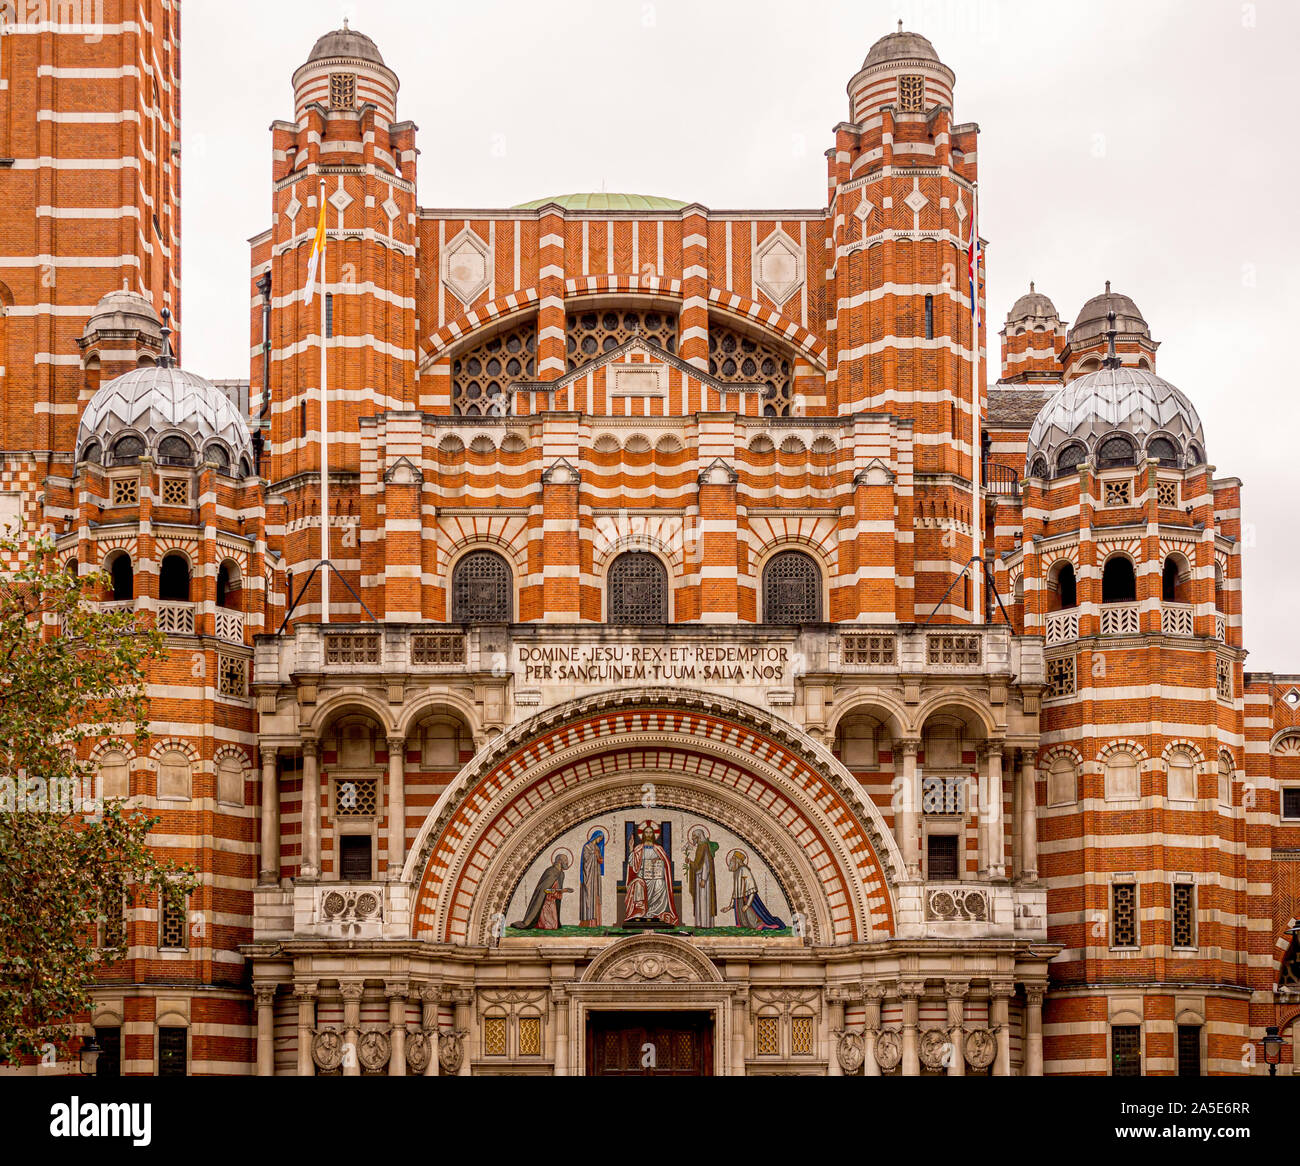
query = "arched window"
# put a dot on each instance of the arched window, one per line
(1164, 451)
(122, 576)
(1118, 582)
(92, 453)
(1181, 773)
(1116, 451)
(175, 451)
(792, 589)
(1123, 781)
(1038, 469)
(227, 586)
(637, 590)
(127, 450)
(114, 776)
(174, 775)
(1225, 779)
(1070, 458)
(482, 589)
(217, 454)
(1062, 782)
(1067, 589)
(1194, 456)
(174, 579)
(1169, 581)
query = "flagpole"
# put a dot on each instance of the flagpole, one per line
(977, 458)
(324, 445)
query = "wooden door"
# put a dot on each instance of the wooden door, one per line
(649, 1044)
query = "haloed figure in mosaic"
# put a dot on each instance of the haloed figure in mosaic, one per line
(700, 875)
(544, 907)
(591, 870)
(749, 909)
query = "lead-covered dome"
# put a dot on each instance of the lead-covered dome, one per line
(1093, 320)
(346, 42)
(167, 414)
(1033, 305)
(1115, 416)
(900, 46)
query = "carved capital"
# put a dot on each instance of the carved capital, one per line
(397, 745)
(874, 993)
(1000, 989)
(911, 989)
(264, 994)
(351, 989)
(956, 989)
(397, 989)
(306, 991)
(430, 993)
(1034, 994)
(310, 747)
(907, 746)
(269, 754)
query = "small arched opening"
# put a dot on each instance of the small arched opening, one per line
(1116, 452)
(121, 577)
(1118, 580)
(1175, 580)
(174, 579)
(1062, 587)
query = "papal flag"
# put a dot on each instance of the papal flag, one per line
(317, 250)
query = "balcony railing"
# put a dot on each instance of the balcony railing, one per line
(1062, 627)
(1176, 619)
(176, 619)
(230, 626)
(1120, 619)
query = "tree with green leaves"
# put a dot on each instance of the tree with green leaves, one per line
(70, 861)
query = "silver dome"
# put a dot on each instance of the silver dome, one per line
(158, 405)
(900, 46)
(1032, 306)
(346, 42)
(1093, 319)
(1126, 402)
(125, 312)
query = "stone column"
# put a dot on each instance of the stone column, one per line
(396, 806)
(873, 996)
(264, 995)
(464, 998)
(956, 991)
(835, 1026)
(738, 1008)
(560, 1002)
(429, 1021)
(1000, 993)
(992, 844)
(1028, 817)
(351, 990)
(1034, 1030)
(910, 994)
(310, 866)
(396, 992)
(305, 994)
(909, 800)
(269, 856)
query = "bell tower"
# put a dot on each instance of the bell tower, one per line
(902, 191)
(344, 146)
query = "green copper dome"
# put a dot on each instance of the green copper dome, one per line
(600, 201)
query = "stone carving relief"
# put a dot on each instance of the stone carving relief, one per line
(851, 1051)
(957, 905)
(935, 1048)
(373, 1050)
(648, 968)
(889, 1050)
(327, 1049)
(451, 1051)
(350, 905)
(417, 1052)
(981, 1048)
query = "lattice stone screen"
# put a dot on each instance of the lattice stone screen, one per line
(737, 359)
(792, 589)
(592, 333)
(1184, 915)
(481, 379)
(481, 588)
(356, 797)
(1124, 915)
(911, 94)
(638, 590)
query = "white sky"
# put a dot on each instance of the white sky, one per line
(1144, 141)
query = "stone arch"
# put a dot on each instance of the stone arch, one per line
(433, 702)
(651, 957)
(870, 701)
(348, 701)
(955, 698)
(726, 748)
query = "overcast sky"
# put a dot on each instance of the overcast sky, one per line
(1149, 143)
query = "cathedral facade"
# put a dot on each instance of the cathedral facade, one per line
(706, 664)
